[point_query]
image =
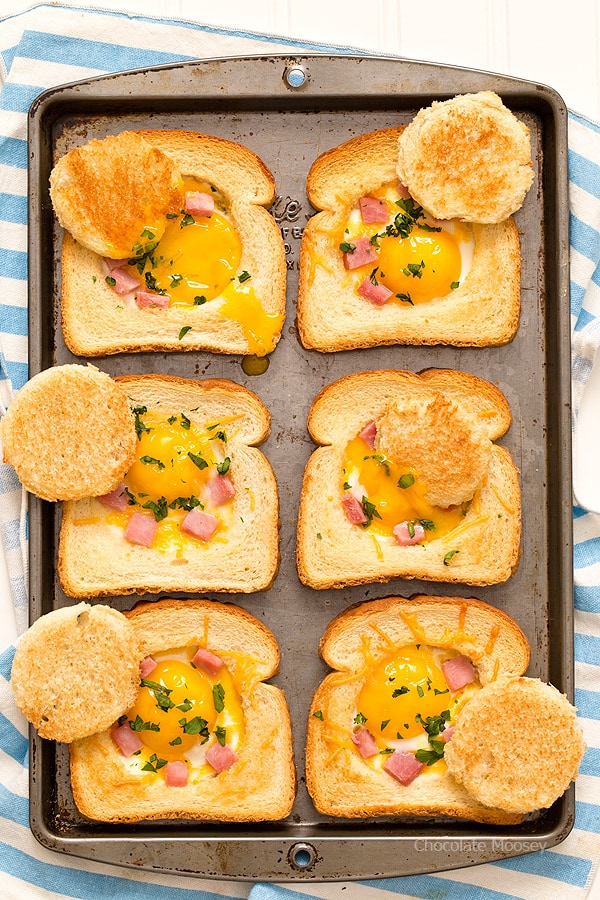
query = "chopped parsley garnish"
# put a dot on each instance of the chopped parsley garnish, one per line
(429, 757)
(159, 509)
(197, 725)
(449, 556)
(399, 691)
(427, 524)
(406, 298)
(420, 691)
(154, 764)
(161, 694)
(186, 503)
(175, 742)
(138, 412)
(183, 332)
(223, 467)
(218, 693)
(138, 724)
(185, 706)
(244, 276)
(197, 460)
(152, 461)
(110, 280)
(414, 269)
(151, 283)
(347, 247)
(220, 734)
(454, 285)
(199, 300)
(185, 422)
(406, 480)
(370, 511)
(359, 719)
(177, 279)
(425, 227)
(373, 276)
(186, 220)
(384, 723)
(434, 725)
(319, 715)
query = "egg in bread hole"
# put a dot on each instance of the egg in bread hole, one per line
(397, 253)
(187, 722)
(179, 488)
(196, 261)
(407, 707)
(394, 501)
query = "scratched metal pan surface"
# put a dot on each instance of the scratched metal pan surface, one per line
(289, 121)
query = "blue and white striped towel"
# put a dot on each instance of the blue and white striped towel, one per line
(33, 50)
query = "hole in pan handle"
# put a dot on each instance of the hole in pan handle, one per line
(302, 856)
(295, 76)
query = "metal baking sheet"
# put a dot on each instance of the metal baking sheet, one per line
(251, 100)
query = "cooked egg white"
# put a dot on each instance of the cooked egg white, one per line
(197, 261)
(178, 715)
(397, 493)
(428, 262)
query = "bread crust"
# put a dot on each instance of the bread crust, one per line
(334, 553)
(96, 321)
(339, 781)
(483, 311)
(260, 786)
(75, 670)
(69, 433)
(467, 158)
(95, 560)
(527, 754)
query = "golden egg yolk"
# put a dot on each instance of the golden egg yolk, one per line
(165, 465)
(399, 690)
(260, 328)
(173, 692)
(396, 492)
(422, 266)
(195, 262)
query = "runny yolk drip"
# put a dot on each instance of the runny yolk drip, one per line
(405, 687)
(260, 327)
(393, 494)
(178, 710)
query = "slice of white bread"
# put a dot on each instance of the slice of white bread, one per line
(69, 433)
(528, 752)
(259, 786)
(94, 559)
(97, 321)
(482, 311)
(76, 670)
(340, 781)
(467, 158)
(483, 548)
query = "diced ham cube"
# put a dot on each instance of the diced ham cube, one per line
(147, 665)
(114, 263)
(458, 672)
(199, 524)
(220, 489)
(403, 191)
(116, 499)
(207, 661)
(220, 758)
(353, 509)
(141, 529)
(373, 210)
(126, 740)
(125, 282)
(377, 294)
(404, 767)
(199, 203)
(149, 298)
(403, 535)
(365, 742)
(364, 252)
(176, 773)
(446, 734)
(368, 434)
